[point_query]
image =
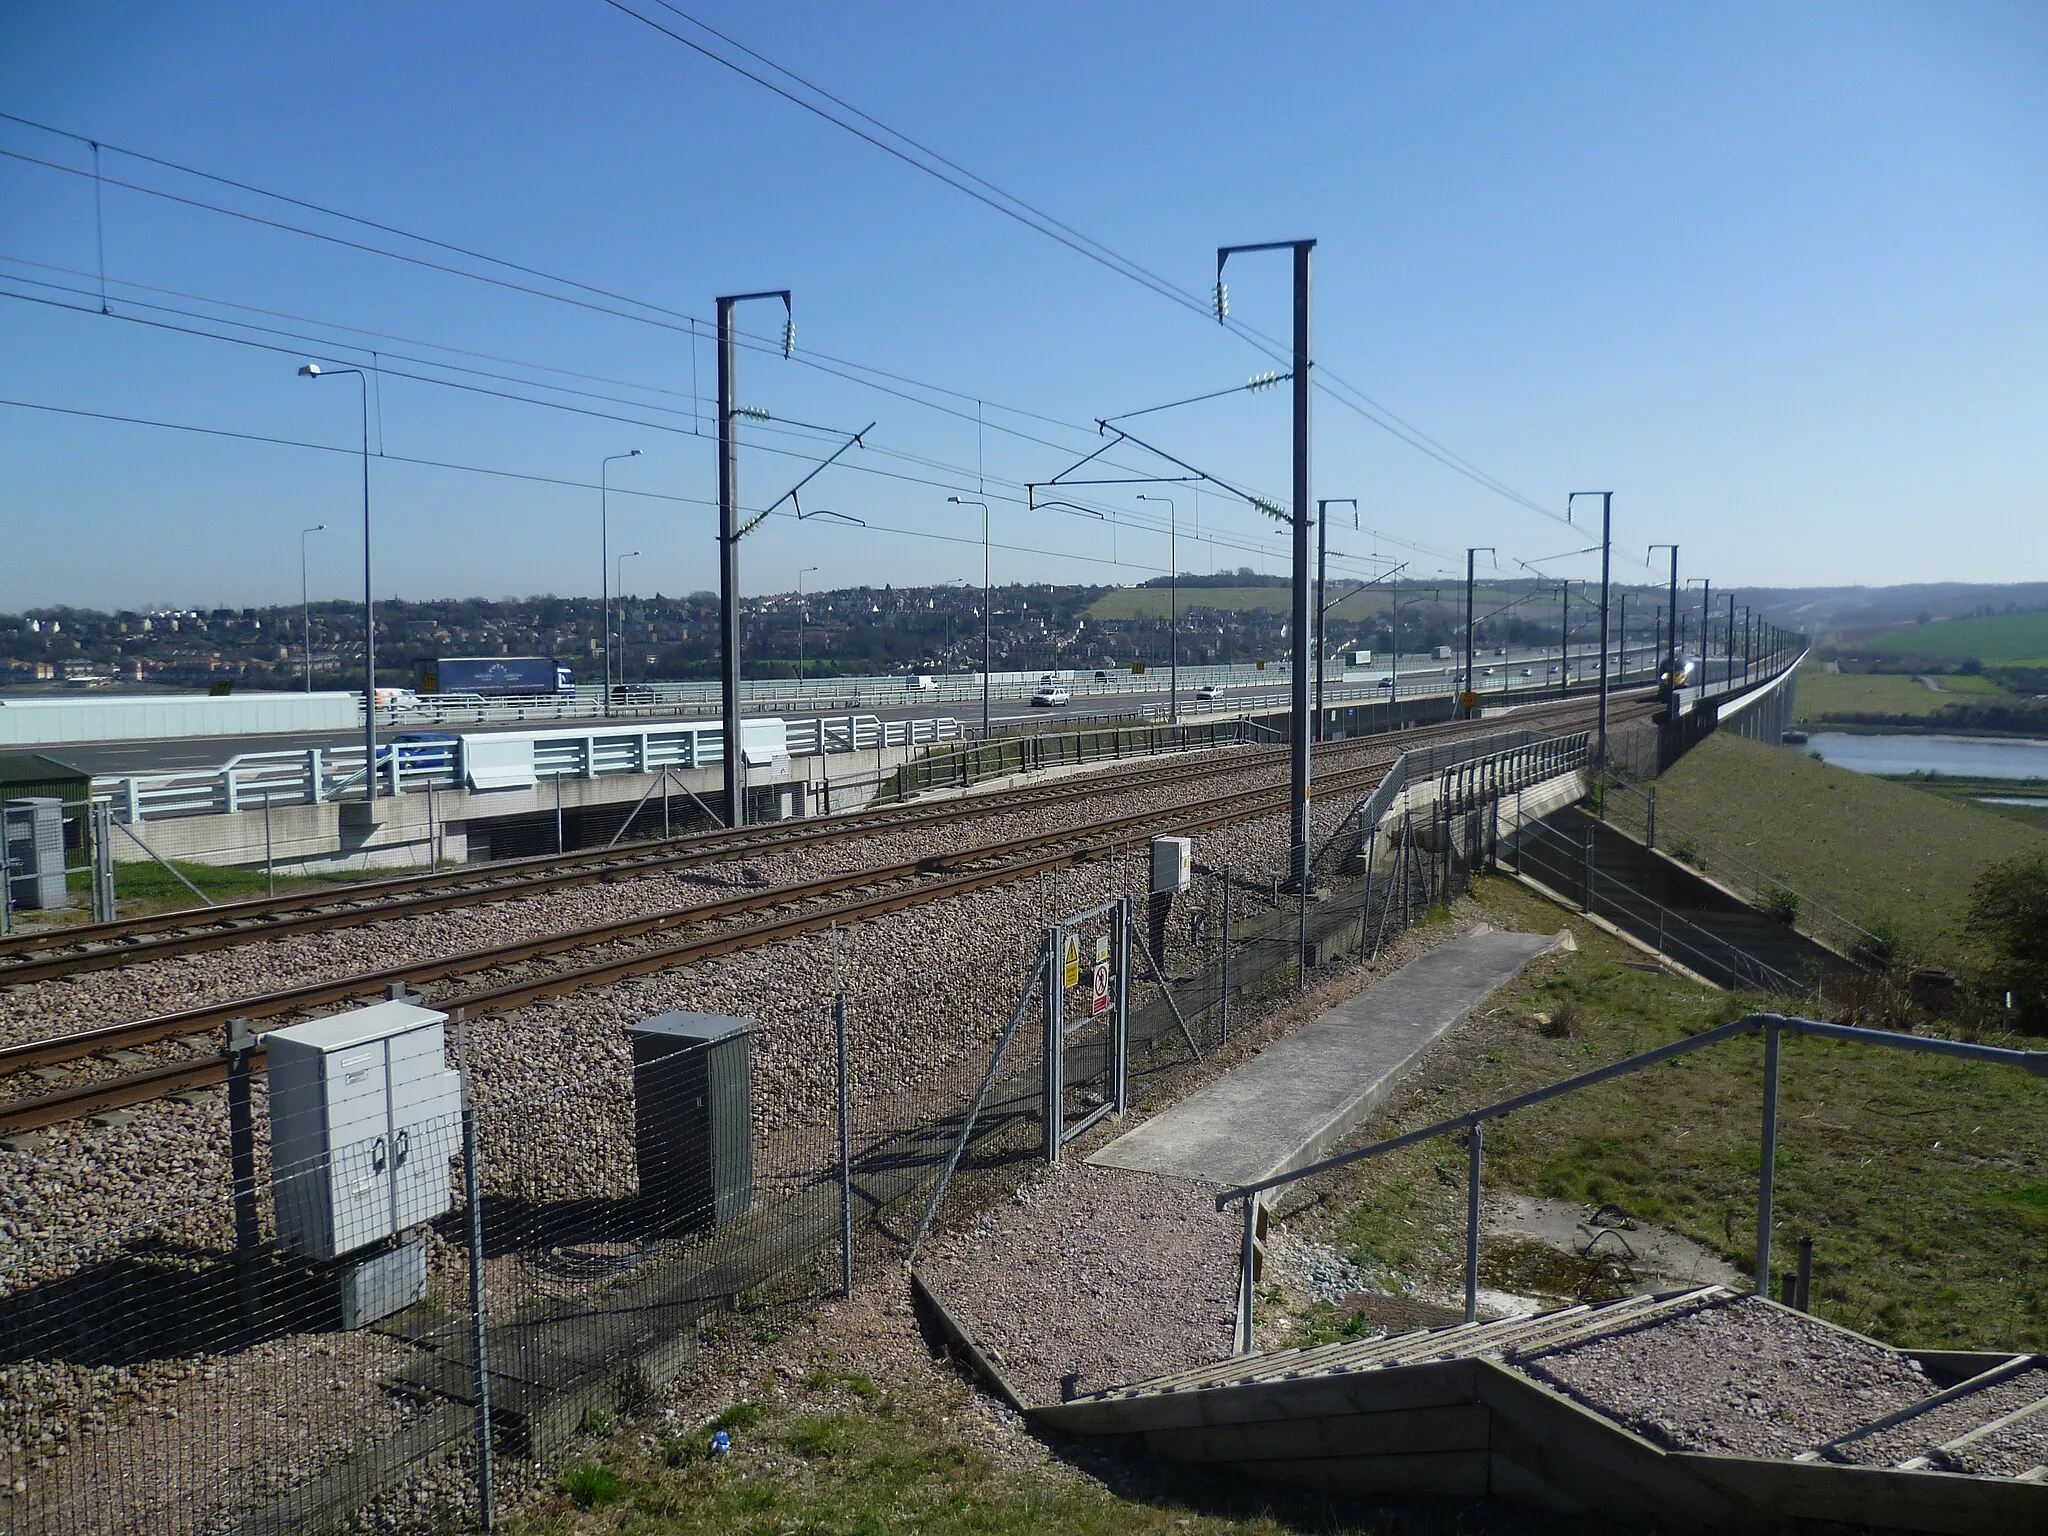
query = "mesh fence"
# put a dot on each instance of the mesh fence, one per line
(260, 1307)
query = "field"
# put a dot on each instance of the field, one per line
(1923, 1183)
(1834, 696)
(2009, 638)
(1866, 847)
(1151, 602)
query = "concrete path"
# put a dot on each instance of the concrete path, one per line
(1297, 1098)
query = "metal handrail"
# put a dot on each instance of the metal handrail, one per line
(1473, 1121)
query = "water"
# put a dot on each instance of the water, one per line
(1963, 757)
(2034, 802)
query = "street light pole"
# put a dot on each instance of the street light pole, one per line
(1606, 588)
(315, 371)
(729, 544)
(1172, 605)
(306, 601)
(1299, 787)
(801, 617)
(987, 618)
(604, 597)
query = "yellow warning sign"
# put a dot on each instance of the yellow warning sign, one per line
(1070, 959)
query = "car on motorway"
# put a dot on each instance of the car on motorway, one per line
(1386, 682)
(1101, 676)
(420, 751)
(1051, 697)
(1208, 693)
(1525, 672)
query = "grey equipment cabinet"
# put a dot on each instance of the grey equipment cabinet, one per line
(364, 1116)
(32, 835)
(693, 1118)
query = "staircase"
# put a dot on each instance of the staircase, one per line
(1702, 1409)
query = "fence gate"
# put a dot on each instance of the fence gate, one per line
(1087, 1020)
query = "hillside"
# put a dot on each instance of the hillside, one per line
(2005, 638)
(1868, 848)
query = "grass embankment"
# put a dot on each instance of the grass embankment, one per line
(1822, 697)
(1923, 1182)
(1872, 849)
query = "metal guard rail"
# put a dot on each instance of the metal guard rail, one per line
(317, 775)
(1473, 1122)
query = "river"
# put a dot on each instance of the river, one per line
(1962, 757)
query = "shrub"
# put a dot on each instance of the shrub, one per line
(1882, 944)
(590, 1485)
(1781, 904)
(599, 1422)
(2009, 915)
(1563, 1020)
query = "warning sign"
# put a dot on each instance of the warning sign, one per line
(1070, 960)
(1098, 1001)
(1101, 948)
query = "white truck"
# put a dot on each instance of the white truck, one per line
(1442, 653)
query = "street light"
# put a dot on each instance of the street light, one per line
(987, 622)
(801, 616)
(306, 602)
(604, 598)
(315, 371)
(619, 586)
(1172, 605)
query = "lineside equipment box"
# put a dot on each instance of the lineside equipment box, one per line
(1173, 865)
(364, 1116)
(693, 1121)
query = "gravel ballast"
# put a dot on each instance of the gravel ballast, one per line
(1922, 1433)
(1092, 1277)
(1740, 1378)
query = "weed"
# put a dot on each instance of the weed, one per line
(1563, 1021)
(591, 1485)
(1686, 850)
(1781, 904)
(1882, 943)
(862, 1387)
(599, 1423)
(818, 1434)
(737, 1416)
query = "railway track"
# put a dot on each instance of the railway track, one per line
(776, 913)
(41, 956)
(132, 941)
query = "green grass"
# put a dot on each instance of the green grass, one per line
(2006, 638)
(905, 1458)
(150, 887)
(1823, 696)
(1923, 1182)
(1866, 847)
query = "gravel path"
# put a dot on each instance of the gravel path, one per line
(1739, 1378)
(1092, 1277)
(1919, 1435)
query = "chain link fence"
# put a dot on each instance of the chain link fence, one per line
(412, 1244)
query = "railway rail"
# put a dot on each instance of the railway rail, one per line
(138, 940)
(779, 912)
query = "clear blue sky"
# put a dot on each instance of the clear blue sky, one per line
(1775, 274)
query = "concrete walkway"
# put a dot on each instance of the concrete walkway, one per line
(1297, 1098)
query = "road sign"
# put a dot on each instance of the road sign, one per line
(1070, 960)
(1098, 1002)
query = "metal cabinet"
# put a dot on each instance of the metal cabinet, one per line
(364, 1116)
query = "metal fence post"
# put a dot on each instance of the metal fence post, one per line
(1053, 1068)
(1247, 1274)
(1650, 835)
(1767, 1169)
(1122, 1043)
(1224, 1027)
(1475, 1150)
(242, 1166)
(479, 1342)
(104, 908)
(1586, 872)
(845, 1151)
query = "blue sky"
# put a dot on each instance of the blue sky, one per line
(1773, 274)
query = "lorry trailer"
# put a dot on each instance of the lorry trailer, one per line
(496, 677)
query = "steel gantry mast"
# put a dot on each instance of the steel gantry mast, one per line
(1303, 624)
